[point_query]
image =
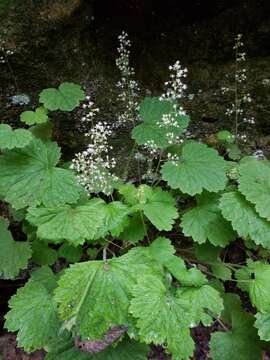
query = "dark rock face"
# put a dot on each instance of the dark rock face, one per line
(76, 40)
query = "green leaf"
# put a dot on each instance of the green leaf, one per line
(10, 139)
(43, 254)
(254, 184)
(95, 295)
(245, 220)
(200, 299)
(71, 253)
(72, 223)
(160, 209)
(262, 323)
(232, 303)
(161, 250)
(233, 151)
(257, 284)
(162, 319)
(221, 271)
(225, 135)
(38, 116)
(205, 222)
(65, 98)
(241, 343)
(152, 110)
(116, 217)
(199, 168)
(135, 230)
(34, 315)
(63, 349)
(14, 255)
(29, 177)
(187, 277)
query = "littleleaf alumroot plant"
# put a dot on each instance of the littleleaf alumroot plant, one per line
(118, 267)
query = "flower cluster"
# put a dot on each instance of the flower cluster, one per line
(127, 86)
(94, 165)
(4, 53)
(239, 108)
(175, 87)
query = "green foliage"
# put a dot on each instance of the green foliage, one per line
(205, 222)
(152, 130)
(29, 176)
(254, 185)
(244, 219)
(158, 291)
(39, 116)
(14, 255)
(199, 168)
(162, 318)
(65, 98)
(93, 296)
(33, 313)
(10, 139)
(241, 343)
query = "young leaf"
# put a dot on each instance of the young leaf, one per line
(65, 98)
(95, 295)
(162, 319)
(199, 168)
(254, 185)
(241, 343)
(205, 222)
(116, 217)
(226, 136)
(244, 218)
(161, 250)
(38, 116)
(72, 223)
(10, 139)
(29, 177)
(14, 255)
(153, 129)
(34, 315)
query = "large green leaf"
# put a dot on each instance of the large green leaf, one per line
(72, 223)
(245, 220)
(29, 176)
(199, 168)
(153, 130)
(65, 98)
(39, 116)
(162, 319)
(241, 343)
(94, 296)
(135, 230)
(14, 255)
(76, 223)
(43, 254)
(254, 184)
(10, 139)
(205, 222)
(63, 349)
(33, 314)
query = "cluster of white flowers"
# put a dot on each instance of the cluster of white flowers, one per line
(173, 158)
(94, 165)
(90, 110)
(175, 87)
(239, 108)
(127, 85)
(4, 52)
